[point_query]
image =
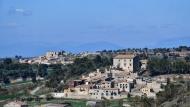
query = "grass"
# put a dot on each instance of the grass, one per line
(16, 83)
(74, 103)
(77, 103)
(113, 103)
(12, 96)
(21, 82)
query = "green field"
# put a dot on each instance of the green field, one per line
(75, 103)
(12, 96)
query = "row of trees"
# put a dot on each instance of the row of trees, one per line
(174, 91)
(11, 70)
(156, 50)
(158, 66)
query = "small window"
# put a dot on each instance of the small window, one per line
(115, 93)
(125, 64)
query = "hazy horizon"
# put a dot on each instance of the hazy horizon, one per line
(30, 28)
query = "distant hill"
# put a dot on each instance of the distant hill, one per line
(174, 42)
(96, 46)
(39, 48)
(36, 49)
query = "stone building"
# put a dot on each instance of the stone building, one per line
(127, 62)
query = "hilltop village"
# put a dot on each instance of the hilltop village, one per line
(117, 82)
(91, 77)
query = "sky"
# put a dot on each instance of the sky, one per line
(32, 27)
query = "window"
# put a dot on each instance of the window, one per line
(125, 64)
(125, 85)
(115, 93)
(111, 93)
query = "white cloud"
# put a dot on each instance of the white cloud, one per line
(20, 11)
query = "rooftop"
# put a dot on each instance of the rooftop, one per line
(125, 56)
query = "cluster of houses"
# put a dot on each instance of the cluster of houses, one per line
(50, 58)
(117, 82)
(56, 57)
(62, 57)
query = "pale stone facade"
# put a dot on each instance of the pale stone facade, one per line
(147, 91)
(100, 86)
(52, 54)
(128, 62)
(144, 64)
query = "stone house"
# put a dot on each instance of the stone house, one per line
(127, 62)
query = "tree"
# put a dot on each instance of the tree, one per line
(6, 80)
(7, 61)
(98, 60)
(33, 76)
(187, 58)
(42, 70)
(158, 66)
(49, 97)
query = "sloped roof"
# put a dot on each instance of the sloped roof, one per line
(125, 56)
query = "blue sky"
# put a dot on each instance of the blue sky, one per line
(31, 27)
